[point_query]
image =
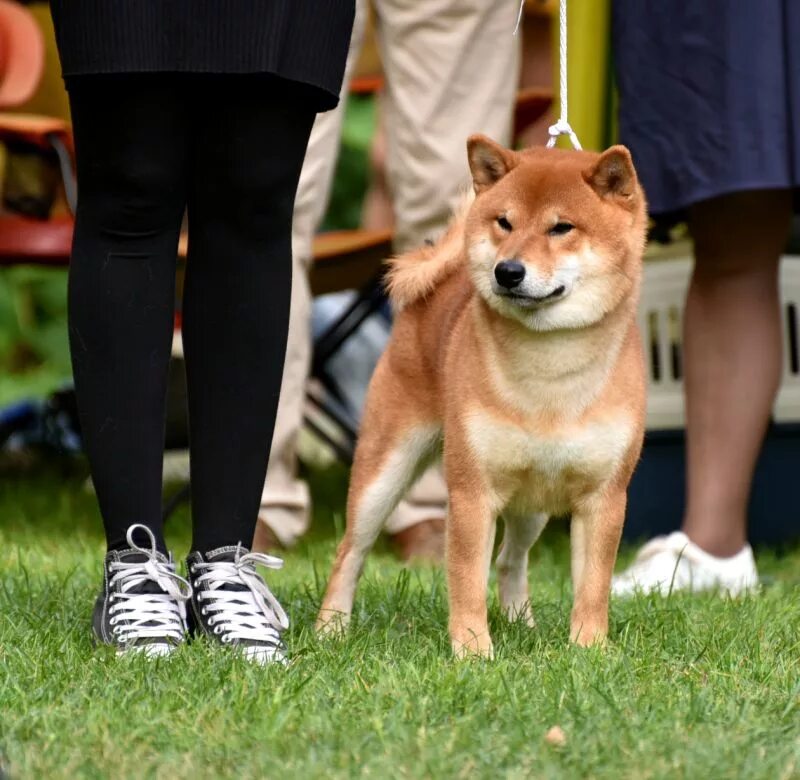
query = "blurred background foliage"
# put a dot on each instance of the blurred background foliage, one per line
(34, 354)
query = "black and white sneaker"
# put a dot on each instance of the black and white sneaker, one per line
(232, 604)
(142, 608)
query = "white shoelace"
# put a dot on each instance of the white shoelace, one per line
(253, 613)
(147, 615)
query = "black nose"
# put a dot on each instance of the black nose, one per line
(509, 273)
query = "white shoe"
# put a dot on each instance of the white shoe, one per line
(671, 563)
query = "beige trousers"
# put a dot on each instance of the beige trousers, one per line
(451, 69)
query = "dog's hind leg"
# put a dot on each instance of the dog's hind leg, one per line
(394, 447)
(519, 536)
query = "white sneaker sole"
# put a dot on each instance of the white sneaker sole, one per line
(155, 650)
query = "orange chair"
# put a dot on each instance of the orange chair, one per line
(24, 240)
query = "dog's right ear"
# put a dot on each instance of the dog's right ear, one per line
(488, 161)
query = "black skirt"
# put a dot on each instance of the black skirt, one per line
(305, 41)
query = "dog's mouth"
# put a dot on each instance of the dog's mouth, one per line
(531, 301)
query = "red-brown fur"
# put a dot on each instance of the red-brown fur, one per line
(538, 400)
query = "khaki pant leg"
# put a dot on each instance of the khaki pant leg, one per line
(452, 69)
(285, 502)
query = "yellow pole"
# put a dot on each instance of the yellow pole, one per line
(588, 53)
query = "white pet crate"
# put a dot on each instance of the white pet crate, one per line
(660, 319)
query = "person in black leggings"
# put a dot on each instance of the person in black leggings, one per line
(207, 107)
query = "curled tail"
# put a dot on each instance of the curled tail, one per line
(414, 275)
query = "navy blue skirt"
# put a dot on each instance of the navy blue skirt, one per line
(709, 96)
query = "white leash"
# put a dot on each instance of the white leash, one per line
(562, 126)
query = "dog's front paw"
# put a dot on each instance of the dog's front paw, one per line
(586, 633)
(472, 643)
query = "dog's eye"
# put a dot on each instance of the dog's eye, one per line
(504, 224)
(560, 229)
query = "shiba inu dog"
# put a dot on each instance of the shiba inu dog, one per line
(515, 350)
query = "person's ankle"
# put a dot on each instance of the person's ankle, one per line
(718, 545)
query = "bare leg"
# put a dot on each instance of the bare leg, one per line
(732, 354)
(519, 536)
(597, 527)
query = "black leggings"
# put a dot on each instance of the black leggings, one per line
(230, 148)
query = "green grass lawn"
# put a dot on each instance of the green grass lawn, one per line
(689, 687)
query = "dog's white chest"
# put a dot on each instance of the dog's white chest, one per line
(545, 465)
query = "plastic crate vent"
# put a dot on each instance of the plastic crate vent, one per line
(660, 319)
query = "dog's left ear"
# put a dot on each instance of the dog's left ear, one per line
(613, 174)
(488, 161)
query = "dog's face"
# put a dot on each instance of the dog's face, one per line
(554, 237)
